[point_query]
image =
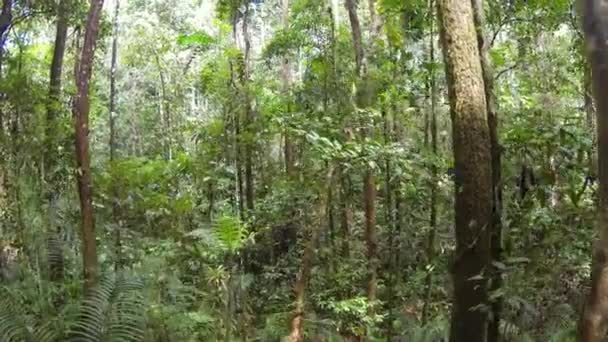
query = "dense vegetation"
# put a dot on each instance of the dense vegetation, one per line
(307, 170)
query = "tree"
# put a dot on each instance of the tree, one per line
(473, 170)
(80, 111)
(6, 18)
(593, 326)
(54, 106)
(112, 142)
(496, 225)
(363, 99)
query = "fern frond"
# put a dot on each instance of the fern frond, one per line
(16, 325)
(114, 311)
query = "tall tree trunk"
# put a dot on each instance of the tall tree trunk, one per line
(165, 112)
(473, 171)
(249, 191)
(390, 223)
(496, 226)
(297, 321)
(286, 87)
(6, 19)
(346, 212)
(56, 267)
(113, 115)
(593, 326)
(432, 88)
(240, 194)
(369, 182)
(80, 111)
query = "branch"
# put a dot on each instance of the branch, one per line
(504, 71)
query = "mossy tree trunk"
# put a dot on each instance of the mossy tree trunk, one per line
(473, 171)
(593, 326)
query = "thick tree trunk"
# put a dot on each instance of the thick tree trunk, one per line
(297, 321)
(56, 263)
(473, 175)
(80, 111)
(496, 226)
(112, 121)
(593, 326)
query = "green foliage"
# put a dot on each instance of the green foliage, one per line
(198, 39)
(113, 311)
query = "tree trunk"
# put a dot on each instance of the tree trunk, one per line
(6, 20)
(286, 87)
(80, 111)
(113, 115)
(593, 326)
(346, 212)
(297, 322)
(496, 226)
(249, 191)
(56, 262)
(165, 113)
(473, 171)
(369, 183)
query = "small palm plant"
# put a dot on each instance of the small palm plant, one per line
(113, 311)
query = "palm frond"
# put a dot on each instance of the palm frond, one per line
(16, 325)
(114, 311)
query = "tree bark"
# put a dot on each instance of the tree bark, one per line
(496, 226)
(80, 111)
(473, 175)
(593, 326)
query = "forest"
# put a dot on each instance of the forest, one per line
(304, 170)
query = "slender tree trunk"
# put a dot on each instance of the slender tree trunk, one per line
(430, 248)
(473, 171)
(593, 326)
(369, 183)
(286, 87)
(56, 262)
(297, 321)
(6, 19)
(346, 212)
(237, 134)
(390, 222)
(80, 111)
(249, 191)
(496, 226)
(590, 118)
(165, 111)
(113, 115)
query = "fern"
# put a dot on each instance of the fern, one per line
(112, 312)
(17, 326)
(230, 232)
